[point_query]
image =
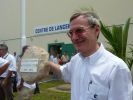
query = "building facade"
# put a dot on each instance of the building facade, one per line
(46, 21)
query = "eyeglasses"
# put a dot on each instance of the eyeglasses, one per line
(78, 31)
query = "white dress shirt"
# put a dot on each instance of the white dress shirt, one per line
(101, 76)
(2, 61)
(12, 66)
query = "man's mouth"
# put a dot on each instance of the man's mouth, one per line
(78, 42)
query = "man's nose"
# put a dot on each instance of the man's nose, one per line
(75, 36)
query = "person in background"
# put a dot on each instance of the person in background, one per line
(3, 66)
(15, 74)
(65, 58)
(51, 54)
(59, 59)
(37, 89)
(94, 72)
(6, 83)
(53, 58)
(15, 55)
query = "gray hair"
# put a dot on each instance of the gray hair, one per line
(4, 47)
(93, 18)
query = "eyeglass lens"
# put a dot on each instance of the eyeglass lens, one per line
(77, 31)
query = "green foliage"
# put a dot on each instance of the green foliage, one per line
(47, 94)
(117, 37)
(130, 58)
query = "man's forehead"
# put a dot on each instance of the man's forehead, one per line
(1, 47)
(79, 23)
(77, 26)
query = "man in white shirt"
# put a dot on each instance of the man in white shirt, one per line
(7, 75)
(3, 66)
(94, 73)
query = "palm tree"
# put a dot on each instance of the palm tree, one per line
(117, 37)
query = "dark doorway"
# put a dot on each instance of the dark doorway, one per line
(57, 47)
(60, 48)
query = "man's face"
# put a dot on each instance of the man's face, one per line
(83, 36)
(2, 52)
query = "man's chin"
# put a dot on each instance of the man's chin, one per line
(79, 49)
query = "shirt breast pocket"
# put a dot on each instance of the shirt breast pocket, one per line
(96, 92)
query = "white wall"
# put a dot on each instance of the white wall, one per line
(47, 12)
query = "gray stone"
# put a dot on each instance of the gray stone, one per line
(33, 62)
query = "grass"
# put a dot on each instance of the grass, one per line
(47, 94)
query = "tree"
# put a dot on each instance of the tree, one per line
(117, 37)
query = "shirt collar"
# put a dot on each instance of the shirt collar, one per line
(93, 58)
(5, 55)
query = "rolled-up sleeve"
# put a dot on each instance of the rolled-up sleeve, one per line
(66, 72)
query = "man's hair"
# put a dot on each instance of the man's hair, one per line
(93, 18)
(4, 47)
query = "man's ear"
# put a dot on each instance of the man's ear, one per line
(97, 29)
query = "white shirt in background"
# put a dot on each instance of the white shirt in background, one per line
(12, 66)
(2, 61)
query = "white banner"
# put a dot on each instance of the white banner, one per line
(51, 28)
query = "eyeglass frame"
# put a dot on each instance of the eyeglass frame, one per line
(76, 29)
